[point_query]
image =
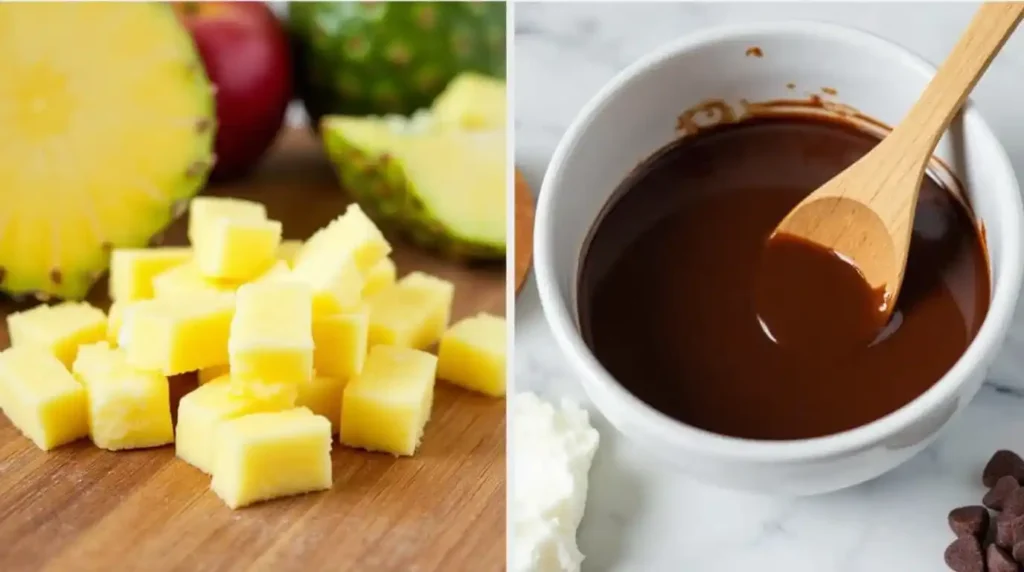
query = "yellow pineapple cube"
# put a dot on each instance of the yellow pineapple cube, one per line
(387, 405)
(413, 312)
(379, 277)
(132, 270)
(288, 250)
(208, 374)
(201, 411)
(58, 329)
(115, 317)
(203, 211)
(335, 259)
(187, 279)
(128, 408)
(340, 343)
(322, 395)
(263, 456)
(237, 250)
(278, 271)
(472, 354)
(178, 334)
(272, 333)
(41, 398)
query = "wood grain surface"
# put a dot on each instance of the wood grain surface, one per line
(79, 508)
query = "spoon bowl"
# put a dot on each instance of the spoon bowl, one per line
(863, 217)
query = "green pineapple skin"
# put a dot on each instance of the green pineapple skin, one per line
(379, 185)
(382, 58)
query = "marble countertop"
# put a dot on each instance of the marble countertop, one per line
(644, 517)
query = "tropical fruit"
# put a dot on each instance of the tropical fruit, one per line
(377, 58)
(471, 102)
(106, 128)
(443, 189)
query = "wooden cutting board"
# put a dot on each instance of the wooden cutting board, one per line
(82, 509)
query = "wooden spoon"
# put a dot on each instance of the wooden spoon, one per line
(863, 217)
(523, 231)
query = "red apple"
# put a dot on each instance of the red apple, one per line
(245, 51)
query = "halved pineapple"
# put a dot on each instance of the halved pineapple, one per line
(106, 125)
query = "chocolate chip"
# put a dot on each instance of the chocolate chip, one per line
(1009, 530)
(969, 521)
(997, 496)
(997, 560)
(964, 555)
(1014, 504)
(1003, 463)
(1018, 552)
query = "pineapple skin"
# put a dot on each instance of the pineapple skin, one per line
(72, 280)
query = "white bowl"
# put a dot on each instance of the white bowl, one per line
(635, 114)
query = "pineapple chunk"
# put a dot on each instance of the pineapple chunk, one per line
(204, 211)
(322, 395)
(201, 411)
(208, 374)
(263, 456)
(237, 250)
(41, 398)
(279, 270)
(333, 261)
(271, 334)
(132, 270)
(58, 329)
(340, 343)
(412, 313)
(187, 279)
(288, 250)
(387, 405)
(178, 334)
(379, 277)
(128, 408)
(115, 317)
(472, 354)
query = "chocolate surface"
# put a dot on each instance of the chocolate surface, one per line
(668, 287)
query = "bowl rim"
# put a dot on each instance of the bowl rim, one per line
(618, 404)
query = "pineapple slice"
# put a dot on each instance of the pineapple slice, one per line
(106, 127)
(472, 102)
(443, 189)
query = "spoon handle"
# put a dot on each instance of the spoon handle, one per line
(991, 26)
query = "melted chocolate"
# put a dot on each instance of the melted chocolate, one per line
(668, 287)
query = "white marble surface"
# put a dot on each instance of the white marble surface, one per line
(643, 517)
